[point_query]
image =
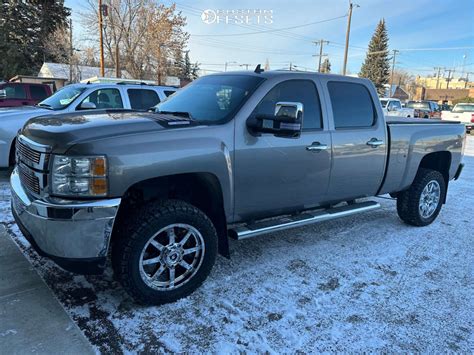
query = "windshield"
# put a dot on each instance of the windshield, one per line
(62, 98)
(212, 99)
(384, 103)
(420, 105)
(464, 108)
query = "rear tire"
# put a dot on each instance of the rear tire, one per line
(422, 202)
(165, 252)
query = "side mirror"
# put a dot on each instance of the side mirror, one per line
(287, 122)
(87, 106)
(3, 94)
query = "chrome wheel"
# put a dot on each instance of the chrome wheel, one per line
(172, 257)
(429, 199)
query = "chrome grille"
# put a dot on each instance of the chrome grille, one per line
(29, 179)
(32, 161)
(28, 154)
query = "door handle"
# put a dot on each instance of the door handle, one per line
(374, 142)
(316, 147)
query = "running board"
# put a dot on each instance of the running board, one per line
(303, 219)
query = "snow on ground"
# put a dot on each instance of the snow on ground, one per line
(363, 283)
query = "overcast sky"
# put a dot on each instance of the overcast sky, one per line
(412, 25)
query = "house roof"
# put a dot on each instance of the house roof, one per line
(80, 72)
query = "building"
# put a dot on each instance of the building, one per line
(79, 72)
(397, 92)
(442, 83)
(443, 96)
(54, 83)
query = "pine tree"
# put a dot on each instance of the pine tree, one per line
(326, 66)
(187, 68)
(25, 26)
(195, 71)
(376, 66)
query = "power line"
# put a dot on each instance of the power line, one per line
(321, 43)
(271, 30)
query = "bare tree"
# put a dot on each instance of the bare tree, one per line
(142, 34)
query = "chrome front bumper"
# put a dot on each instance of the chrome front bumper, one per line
(64, 229)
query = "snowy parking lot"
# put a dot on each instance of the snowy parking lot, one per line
(363, 283)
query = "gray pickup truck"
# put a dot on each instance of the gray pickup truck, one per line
(232, 155)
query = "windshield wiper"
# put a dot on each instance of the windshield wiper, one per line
(177, 113)
(46, 106)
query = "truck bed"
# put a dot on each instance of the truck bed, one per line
(394, 120)
(410, 139)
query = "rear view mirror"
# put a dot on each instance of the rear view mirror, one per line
(87, 106)
(287, 122)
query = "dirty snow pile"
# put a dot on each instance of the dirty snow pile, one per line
(363, 283)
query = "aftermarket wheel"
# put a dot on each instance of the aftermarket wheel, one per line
(169, 252)
(421, 203)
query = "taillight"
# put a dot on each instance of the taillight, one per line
(472, 118)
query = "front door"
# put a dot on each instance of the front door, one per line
(358, 142)
(275, 175)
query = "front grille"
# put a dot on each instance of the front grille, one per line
(29, 179)
(26, 153)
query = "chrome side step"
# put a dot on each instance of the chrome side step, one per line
(273, 225)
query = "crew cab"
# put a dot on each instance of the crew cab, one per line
(424, 109)
(77, 98)
(393, 107)
(236, 154)
(22, 94)
(463, 112)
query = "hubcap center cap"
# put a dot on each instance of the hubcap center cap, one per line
(172, 255)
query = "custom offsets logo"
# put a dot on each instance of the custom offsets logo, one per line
(239, 17)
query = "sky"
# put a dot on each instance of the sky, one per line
(427, 33)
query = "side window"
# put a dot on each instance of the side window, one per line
(38, 92)
(352, 105)
(15, 92)
(169, 92)
(105, 98)
(303, 91)
(141, 99)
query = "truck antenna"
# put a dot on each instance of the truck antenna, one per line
(258, 69)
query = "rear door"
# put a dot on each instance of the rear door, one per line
(359, 146)
(142, 99)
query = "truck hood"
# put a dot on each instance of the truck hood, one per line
(63, 131)
(28, 111)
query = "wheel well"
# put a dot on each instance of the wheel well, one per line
(440, 161)
(202, 190)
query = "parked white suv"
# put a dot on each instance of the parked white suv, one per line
(393, 107)
(77, 97)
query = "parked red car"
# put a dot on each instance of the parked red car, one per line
(22, 94)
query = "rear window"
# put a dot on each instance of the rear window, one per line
(352, 105)
(463, 108)
(38, 92)
(141, 99)
(419, 105)
(14, 91)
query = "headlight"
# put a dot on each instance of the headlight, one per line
(79, 176)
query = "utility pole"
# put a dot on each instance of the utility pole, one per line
(227, 63)
(71, 51)
(101, 40)
(291, 66)
(393, 69)
(437, 76)
(246, 66)
(351, 6)
(320, 43)
(449, 78)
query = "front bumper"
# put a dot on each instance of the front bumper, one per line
(74, 234)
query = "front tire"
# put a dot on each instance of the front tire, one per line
(422, 202)
(165, 252)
